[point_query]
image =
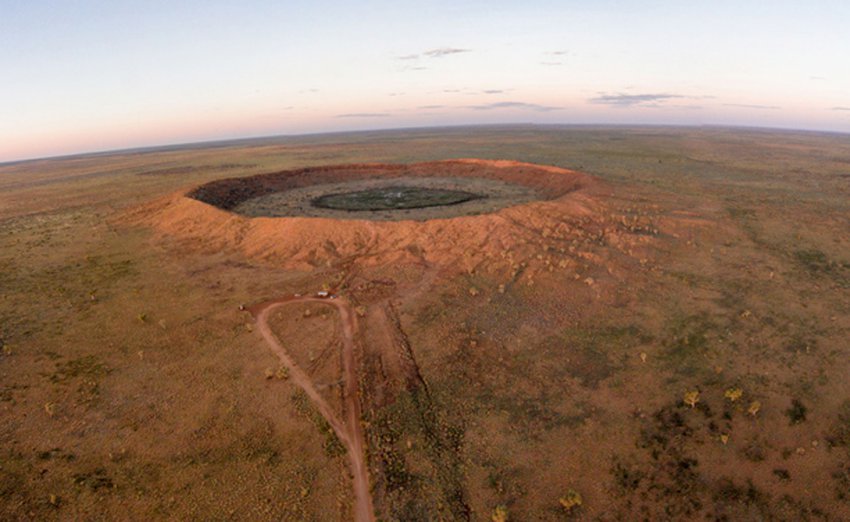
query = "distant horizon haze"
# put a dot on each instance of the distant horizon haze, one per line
(228, 141)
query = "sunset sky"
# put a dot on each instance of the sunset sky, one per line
(81, 76)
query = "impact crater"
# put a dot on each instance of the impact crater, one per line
(437, 212)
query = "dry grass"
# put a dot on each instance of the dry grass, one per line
(542, 383)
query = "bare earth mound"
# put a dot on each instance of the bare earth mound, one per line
(511, 199)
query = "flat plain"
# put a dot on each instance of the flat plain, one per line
(679, 353)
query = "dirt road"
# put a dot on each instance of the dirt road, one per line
(348, 430)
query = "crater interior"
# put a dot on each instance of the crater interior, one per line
(393, 198)
(379, 192)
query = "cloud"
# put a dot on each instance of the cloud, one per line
(749, 106)
(431, 107)
(470, 92)
(363, 115)
(513, 105)
(414, 60)
(840, 109)
(444, 51)
(553, 57)
(633, 100)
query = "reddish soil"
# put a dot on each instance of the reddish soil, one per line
(574, 234)
(667, 346)
(348, 431)
(200, 217)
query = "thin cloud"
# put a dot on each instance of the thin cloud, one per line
(438, 52)
(444, 51)
(553, 58)
(513, 105)
(431, 107)
(751, 106)
(469, 92)
(363, 115)
(633, 100)
(840, 109)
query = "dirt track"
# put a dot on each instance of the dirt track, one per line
(348, 430)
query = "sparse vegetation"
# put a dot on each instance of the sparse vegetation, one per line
(95, 480)
(570, 501)
(691, 398)
(797, 412)
(694, 280)
(839, 435)
(331, 444)
(733, 394)
(500, 514)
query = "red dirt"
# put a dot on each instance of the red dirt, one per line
(307, 242)
(576, 228)
(349, 431)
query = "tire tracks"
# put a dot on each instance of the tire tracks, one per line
(348, 429)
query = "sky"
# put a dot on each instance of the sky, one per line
(82, 76)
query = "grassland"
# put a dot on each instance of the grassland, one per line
(706, 382)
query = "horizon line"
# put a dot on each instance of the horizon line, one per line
(166, 147)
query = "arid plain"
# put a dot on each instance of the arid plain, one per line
(657, 329)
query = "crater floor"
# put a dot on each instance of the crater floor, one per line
(440, 197)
